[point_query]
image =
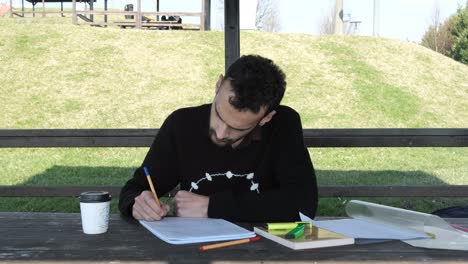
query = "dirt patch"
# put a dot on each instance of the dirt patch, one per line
(4, 9)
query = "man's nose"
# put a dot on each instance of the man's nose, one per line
(222, 131)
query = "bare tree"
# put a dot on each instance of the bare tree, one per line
(435, 23)
(267, 16)
(327, 22)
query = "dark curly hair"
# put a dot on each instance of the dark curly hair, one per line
(256, 82)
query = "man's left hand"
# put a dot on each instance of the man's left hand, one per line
(188, 204)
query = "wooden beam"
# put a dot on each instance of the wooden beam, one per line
(91, 8)
(194, 14)
(394, 191)
(231, 32)
(74, 18)
(458, 191)
(105, 9)
(157, 9)
(138, 15)
(202, 16)
(338, 17)
(205, 21)
(387, 137)
(46, 12)
(56, 191)
(43, 8)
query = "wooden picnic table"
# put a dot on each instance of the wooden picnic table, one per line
(58, 238)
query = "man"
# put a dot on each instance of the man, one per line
(241, 158)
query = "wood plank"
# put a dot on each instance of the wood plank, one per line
(98, 12)
(74, 17)
(55, 191)
(172, 24)
(46, 12)
(58, 238)
(138, 15)
(231, 32)
(312, 137)
(459, 191)
(40, 142)
(196, 14)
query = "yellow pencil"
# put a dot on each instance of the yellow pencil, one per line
(148, 177)
(229, 243)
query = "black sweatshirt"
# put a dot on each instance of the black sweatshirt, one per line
(269, 177)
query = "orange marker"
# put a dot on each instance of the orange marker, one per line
(230, 243)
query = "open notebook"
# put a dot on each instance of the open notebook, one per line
(369, 221)
(182, 230)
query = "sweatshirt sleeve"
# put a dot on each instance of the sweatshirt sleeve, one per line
(161, 163)
(292, 170)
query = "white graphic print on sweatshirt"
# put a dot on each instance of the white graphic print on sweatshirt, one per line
(229, 175)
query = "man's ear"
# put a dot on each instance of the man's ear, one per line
(218, 83)
(267, 118)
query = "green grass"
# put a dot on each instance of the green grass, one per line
(56, 75)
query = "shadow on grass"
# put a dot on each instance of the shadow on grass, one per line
(376, 178)
(81, 175)
(66, 176)
(117, 176)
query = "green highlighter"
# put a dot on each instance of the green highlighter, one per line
(296, 232)
(284, 225)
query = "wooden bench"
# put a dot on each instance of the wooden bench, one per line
(170, 25)
(313, 138)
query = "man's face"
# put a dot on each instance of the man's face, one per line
(228, 125)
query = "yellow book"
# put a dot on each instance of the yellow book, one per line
(313, 237)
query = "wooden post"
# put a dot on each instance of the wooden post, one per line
(338, 17)
(202, 16)
(138, 16)
(376, 22)
(91, 8)
(74, 19)
(105, 9)
(43, 8)
(231, 32)
(157, 9)
(34, 9)
(205, 20)
(61, 8)
(22, 8)
(11, 8)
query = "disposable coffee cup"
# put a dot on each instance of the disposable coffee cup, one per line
(94, 207)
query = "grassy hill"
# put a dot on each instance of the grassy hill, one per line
(56, 75)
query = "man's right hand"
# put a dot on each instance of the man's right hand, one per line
(145, 208)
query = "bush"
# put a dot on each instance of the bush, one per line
(451, 37)
(442, 40)
(460, 35)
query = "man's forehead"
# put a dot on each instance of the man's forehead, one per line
(235, 119)
(226, 92)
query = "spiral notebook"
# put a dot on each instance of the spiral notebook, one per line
(183, 230)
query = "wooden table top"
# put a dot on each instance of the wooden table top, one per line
(58, 238)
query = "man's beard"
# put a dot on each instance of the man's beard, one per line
(223, 142)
